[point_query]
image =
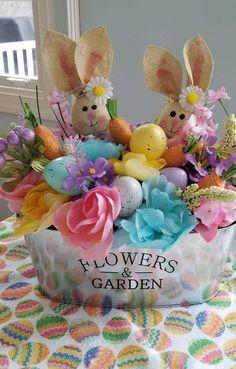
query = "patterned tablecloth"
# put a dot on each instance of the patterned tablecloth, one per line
(38, 333)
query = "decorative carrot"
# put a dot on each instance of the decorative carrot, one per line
(174, 156)
(118, 127)
(211, 180)
(52, 147)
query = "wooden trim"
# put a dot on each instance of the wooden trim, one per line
(73, 16)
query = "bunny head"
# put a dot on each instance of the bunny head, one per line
(81, 69)
(163, 74)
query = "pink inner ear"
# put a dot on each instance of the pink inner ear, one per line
(68, 68)
(168, 81)
(93, 60)
(198, 64)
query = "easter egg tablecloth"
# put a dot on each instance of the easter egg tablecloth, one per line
(38, 333)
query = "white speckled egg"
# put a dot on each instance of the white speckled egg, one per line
(55, 173)
(131, 194)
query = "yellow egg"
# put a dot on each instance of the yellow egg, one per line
(149, 140)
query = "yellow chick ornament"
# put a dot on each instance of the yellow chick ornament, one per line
(147, 145)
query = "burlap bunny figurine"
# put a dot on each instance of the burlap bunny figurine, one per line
(163, 74)
(81, 69)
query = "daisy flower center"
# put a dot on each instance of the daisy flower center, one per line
(99, 91)
(192, 98)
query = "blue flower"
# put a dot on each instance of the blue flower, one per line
(161, 220)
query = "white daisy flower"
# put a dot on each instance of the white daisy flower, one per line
(191, 97)
(99, 90)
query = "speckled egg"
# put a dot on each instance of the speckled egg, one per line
(177, 176)
(131, 194)
(55, 173)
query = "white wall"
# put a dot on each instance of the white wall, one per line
(134, 24)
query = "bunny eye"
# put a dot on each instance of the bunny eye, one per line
(85, 108)
(181, 116)
(94, 107)
(173, 113)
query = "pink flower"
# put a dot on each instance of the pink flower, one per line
(55, 98)
(214, 96)
(16, 198)
(212, 215)
(88, 222)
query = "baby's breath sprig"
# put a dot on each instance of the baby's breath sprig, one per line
(192, 195)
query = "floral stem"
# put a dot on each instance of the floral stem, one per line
(224, 108)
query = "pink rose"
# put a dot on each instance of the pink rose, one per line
(212, 215)
(88, 222)
(16, 198)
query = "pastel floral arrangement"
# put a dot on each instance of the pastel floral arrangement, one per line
(103, 183)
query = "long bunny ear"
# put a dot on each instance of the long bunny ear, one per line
(93, 54)
(199, 63)
(58, 53)
(162, 71)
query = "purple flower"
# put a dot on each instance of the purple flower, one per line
(196, 171)
(84, 174)
(101, 171)
(221, 165)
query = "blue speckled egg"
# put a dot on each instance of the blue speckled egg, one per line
(55, 173)
(95, 148)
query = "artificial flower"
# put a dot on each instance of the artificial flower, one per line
(191, 97)
(85, 174)
(221, 165)
(161, 221)
(87, 223)
(56, 98)
(99, 90)
(214, 96)
(16, 198)
(195, 170)
(212, 215)
(37, 212)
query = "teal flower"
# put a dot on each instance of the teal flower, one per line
(161, 220)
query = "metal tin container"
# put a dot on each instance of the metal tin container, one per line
(131, 277)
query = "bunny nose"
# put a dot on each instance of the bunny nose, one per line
(91, 116)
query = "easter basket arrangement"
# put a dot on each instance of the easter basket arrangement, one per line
(119, 214)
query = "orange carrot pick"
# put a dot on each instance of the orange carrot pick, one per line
(118, 127)
(211, 180)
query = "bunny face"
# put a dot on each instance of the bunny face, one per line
(172, 119)
(73, 66)
(89, 118)
(163, 74)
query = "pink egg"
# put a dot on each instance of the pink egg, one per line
(177, 176)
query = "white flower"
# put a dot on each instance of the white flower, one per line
(191, 97)
(99, 90)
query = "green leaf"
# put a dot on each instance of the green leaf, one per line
(38, 164)
(112, 108)
(191, 143)
(10, 186)
(30, 115)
